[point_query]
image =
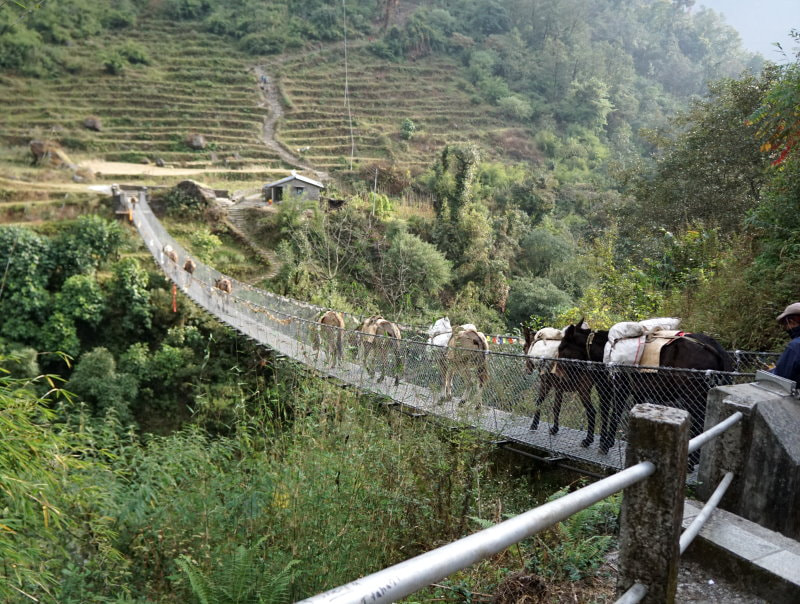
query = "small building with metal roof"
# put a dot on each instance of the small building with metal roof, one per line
(292, 186)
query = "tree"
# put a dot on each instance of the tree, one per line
(535, 297)
(81, 299)
(408, 129)
(778, 118)
(96, 381)
(129, 300)
(24, 272)
(83, 246)
(711, 171)
(409, 270)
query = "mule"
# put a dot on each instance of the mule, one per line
(466, 356)
(553, 378)
(572, 378)
(329, 337)
(378, 347)
(224, 285)
(683, 390)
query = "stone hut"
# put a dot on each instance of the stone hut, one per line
(292, 186)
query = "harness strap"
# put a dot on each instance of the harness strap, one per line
(589, 340)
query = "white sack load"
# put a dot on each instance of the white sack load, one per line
(626, 340)
(627, 351)
(467, 326)
(625, 343)
(660, 324)
(626, 329)
(439, 332)
(545, 346)
(545, 343)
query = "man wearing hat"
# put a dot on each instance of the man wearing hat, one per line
(789, 363)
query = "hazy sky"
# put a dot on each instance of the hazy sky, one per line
(760, 22)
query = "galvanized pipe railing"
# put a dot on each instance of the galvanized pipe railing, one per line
(637, 592)
(405, 578)
(701, 439)
(694, 528)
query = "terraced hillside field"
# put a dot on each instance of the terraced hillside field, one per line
(195, 83)
(432, 92)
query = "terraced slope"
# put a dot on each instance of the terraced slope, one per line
(195, 83)
(431, 92)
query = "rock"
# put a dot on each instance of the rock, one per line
(160, 162)
(50, 153)
(93, 123)
(195, 190)
(196, 141)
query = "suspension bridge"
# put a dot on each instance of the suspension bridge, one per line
(407, 372)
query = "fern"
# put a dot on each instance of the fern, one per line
(243, 577)
(200, 585)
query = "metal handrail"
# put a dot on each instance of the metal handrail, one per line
(694, 528)
(701, 439)
(635, 593)
(405, 578)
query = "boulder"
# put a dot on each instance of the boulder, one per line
(93, 123)
(50, 153)
(196, 141)
(197, 191)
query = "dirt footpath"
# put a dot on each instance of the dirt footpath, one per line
(115, 167)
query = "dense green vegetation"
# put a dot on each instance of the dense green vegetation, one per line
(515, 162)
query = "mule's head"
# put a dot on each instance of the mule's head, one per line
(574, 343)
(529, 337)
(529, 334)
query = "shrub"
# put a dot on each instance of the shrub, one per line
(114, 63)
(408, 129)
(515, 107)
(98, 383)
(134, 53)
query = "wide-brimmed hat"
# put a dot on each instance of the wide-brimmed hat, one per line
(792, 309)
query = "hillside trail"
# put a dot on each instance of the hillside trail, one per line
(268, 91)
(238, 214)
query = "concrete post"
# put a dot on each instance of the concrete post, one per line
(652, 510)
(763, 452)
(731, 449)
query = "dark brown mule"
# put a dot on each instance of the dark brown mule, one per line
(568, 377)
(685, 390)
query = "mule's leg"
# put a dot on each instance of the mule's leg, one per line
(585, 393)
(605, 396)
(544, 389)
(557, 400)
(447, 393)
(621, 389)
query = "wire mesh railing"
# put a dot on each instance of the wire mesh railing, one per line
(569, 408)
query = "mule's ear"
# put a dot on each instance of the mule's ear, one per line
(526, 331)
(570, 329)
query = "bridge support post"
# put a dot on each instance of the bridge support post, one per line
(652, 510)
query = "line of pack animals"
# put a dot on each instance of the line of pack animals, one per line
(551, 352)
